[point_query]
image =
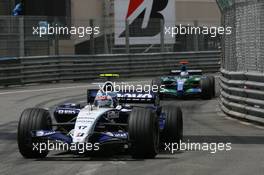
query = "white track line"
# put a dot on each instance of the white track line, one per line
(239, 121)
(244, 123)
(90, 169)
(230, 118)
(259, 127)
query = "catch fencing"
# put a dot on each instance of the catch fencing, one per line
(18, 37)
(242, 80)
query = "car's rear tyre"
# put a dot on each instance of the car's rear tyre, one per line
(173, 128)
(206, 88)
(212, 82)
(30, 120)
(143, 133)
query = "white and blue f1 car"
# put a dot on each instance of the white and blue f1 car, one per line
(125, 122)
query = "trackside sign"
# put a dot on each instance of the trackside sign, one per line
(144, 20)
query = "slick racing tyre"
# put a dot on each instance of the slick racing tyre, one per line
(173, 128)
(32, 119)
(143, 133)
(206, 88)
(212, 84)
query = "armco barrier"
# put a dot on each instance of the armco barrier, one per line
(84, 67)
(6, 70)
(242, 95)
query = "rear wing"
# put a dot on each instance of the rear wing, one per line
(108, 77)
(135, 97)
(126, 96)
(191, 72)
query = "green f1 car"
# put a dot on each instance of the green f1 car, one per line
(184, 83)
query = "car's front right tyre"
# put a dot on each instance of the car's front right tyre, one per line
(32, 119)
(173, 128)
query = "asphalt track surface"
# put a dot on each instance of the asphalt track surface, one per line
(203, 122)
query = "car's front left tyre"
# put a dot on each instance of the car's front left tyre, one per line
(143, 133)
(212, 82)
(206, 88)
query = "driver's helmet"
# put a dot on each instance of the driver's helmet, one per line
(184, 74)
(103, 100)
(183, 68)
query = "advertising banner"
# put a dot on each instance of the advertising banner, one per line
(144, 20)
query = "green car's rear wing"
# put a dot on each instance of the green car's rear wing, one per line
(191, 72)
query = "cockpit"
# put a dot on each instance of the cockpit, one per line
(106, 100)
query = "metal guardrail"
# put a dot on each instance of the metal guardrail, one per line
(44, 69)
(242, 95)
